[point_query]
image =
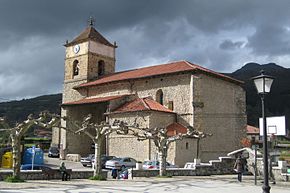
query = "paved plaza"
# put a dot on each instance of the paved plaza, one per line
(212, 184)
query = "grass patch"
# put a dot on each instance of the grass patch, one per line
(166, 176)
(97, 177)
(13, 179)
(29, 145)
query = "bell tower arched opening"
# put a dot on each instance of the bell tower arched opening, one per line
(76, 68)
(101, 67)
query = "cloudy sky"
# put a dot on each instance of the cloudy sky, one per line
(221, 35)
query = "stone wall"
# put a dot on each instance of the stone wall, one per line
(215, 167)
(69, 94)
(220, 110)
(39, 175)
(119, 88)
(175, 87)
(127, 145)
(185, 151)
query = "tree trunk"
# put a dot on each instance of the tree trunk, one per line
(162, 163)
(98, 165)
(197, 148)
(16, 156)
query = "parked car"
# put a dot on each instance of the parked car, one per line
(53, 152)
(90, 160)
(106, 158)
(153, 164)
(121, 163)
(87, 161)
(35, 167)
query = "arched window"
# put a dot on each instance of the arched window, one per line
(76, 68)
(186, 145)
(101, 67)
(159, 96)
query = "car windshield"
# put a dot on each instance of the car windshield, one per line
(116, 159)
(107, 157)
(53, 149)
(150, 163)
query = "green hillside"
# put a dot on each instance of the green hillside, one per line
(17, 111)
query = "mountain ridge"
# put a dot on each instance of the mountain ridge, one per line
(277, 101)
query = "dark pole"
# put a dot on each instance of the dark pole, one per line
(255, 164)
(266, 188)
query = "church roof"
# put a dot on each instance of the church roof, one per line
(253, 130)
(176, 128)
(90, 33)
(170, 68)
(142, 104)
(93, 100)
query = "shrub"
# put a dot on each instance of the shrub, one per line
(166, 176)
(98, 177)
(13, 179)
(285, 153)
(281, 159)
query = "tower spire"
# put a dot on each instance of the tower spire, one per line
(91, 21)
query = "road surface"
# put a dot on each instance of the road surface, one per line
(144, 185)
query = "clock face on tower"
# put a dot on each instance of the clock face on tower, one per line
(76, 49)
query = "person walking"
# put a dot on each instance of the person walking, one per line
(114, 173)
(239, 167)
(64, 173)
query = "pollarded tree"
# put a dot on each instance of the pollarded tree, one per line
(162, 140)
(16, 133)
(101, 131)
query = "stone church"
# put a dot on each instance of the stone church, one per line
(173, 95)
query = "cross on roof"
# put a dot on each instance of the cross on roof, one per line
(91, 21)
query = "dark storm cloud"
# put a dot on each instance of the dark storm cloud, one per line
(229, 45)
(221, 35)
(270, 40)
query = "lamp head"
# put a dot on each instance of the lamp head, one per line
(263, 83)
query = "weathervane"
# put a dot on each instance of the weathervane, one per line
(91, 21)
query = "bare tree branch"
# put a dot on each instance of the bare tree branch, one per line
(101, 129)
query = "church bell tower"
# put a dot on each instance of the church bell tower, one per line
(88, 57)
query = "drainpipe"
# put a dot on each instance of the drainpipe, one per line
(107, 137)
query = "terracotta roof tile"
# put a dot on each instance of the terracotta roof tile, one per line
(142, 104)
(175, 128)
(252, 130)
(93, 100)
(90, 33)
(174, 67)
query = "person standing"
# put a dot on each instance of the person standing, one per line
(114, 173)
(239, 167)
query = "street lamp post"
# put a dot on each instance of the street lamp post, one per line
(263, 84)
